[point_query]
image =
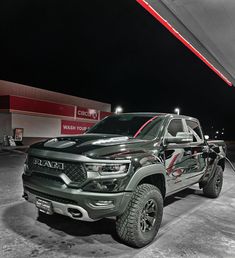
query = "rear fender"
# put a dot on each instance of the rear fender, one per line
(217, 162)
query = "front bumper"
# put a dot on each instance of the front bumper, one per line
(64, 199)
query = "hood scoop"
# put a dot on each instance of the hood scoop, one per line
(54, 143)
(111, 141)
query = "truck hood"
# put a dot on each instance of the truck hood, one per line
(96, 145)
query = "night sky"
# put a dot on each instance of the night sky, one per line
(111, 51)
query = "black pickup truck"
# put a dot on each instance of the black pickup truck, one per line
(123, 167)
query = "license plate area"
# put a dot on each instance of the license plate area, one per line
(44, 206)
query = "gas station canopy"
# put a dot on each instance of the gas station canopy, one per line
(206, 27)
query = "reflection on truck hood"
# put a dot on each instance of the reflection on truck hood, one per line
(95, 145)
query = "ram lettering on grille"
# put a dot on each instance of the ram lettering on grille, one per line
(49, 164)
(74, 171)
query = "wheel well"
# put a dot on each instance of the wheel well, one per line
(157, 180)
(221, 163)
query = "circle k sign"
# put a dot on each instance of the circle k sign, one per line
(87, 113)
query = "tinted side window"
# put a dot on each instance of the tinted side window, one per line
(194, 128)
(174, 127)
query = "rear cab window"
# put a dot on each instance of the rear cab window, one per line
(195, 129)
(175, 126)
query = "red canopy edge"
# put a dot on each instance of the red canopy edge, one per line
(168, 26)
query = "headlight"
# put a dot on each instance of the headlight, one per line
(101, 168)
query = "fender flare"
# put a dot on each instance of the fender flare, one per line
(213, 171)
(215, 166)
(143, 172)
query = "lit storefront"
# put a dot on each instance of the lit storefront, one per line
(43, 114)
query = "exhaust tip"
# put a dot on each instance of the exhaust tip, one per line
(75, 212)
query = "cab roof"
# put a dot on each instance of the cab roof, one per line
(158, 114)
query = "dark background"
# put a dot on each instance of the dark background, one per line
(111, 51)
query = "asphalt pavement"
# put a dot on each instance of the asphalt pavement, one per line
(192, 226)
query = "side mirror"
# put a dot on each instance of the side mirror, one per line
(181, 137)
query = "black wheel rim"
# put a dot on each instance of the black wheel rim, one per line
(148, 216)
(218, 183)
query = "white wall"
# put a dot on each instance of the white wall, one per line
(37, 126)
(5, 124)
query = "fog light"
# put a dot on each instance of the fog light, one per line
(102, 203)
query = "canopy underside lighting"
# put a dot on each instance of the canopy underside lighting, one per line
(207, 28)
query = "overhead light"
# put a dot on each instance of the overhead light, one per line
(177, 111)
(118, 110)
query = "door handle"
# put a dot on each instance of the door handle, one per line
(187, 153)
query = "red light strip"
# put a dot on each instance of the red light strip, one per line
(166, 24)
(144, 125)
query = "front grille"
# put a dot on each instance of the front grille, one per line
(75, 171)
(50, 197)
(49, 178)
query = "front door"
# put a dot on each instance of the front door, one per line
(198, 162)
(177, 157)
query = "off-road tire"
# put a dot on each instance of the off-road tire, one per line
(214, 186)
(130, 225)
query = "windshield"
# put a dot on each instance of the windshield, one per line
(132, 125)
